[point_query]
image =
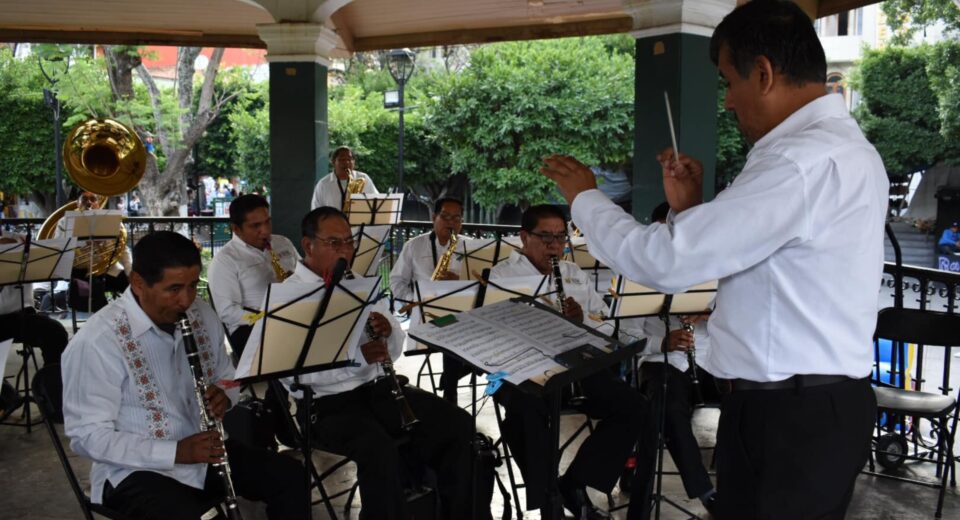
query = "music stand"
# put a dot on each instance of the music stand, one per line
(375, 209)
(579, 253)
(483, 253)
(518, 325)
(25, 264)
(307, 328)
(370, 244)
(89, 227)
(632, 300)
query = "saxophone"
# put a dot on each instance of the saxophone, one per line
(355, 185)
(281, 273)
(443, 264)
(206, 421)
(407, 418)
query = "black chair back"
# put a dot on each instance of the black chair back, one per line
(916, 326)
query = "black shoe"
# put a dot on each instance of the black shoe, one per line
(711, 505)
(10, 400)
(576, 501)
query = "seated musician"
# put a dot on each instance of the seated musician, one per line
(243, 269)
(678, 431)
(418, 261)
(622, 410)
(114, 280)
(354, 412)
(129, 399)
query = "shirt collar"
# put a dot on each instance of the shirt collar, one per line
(140, 323)
(521, 260)
(830, 105)
(240, 244)
(304, 274)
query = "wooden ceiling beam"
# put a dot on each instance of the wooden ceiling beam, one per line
(181, 38)
(829, 7)
(494, 34)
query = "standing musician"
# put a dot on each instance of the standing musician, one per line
(355, 413)
(129, 401)
(418, 261)
(332, 189)
(243, 269)
(622, 410)
(797, 245)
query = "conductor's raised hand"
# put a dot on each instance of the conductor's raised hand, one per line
(571, 176)
(375, 351)
(381, 326)
(682, 180)
(200, 448)
(217, 401)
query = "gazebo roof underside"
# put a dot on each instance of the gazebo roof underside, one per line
(362, 25)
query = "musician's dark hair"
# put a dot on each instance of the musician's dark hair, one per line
(660, 212)
(336, 151)
(534, 214)
(311, 222)
(243, 205)
(163, 250)
(438, 204)
(777, 29)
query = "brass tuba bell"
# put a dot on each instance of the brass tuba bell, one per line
(104, 157)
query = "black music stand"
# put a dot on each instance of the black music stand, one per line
(375, 209)
(578, 362)
(307, 328)
(579, 253)
(371, 241)
(632, 300)
(28, 263)
(90, 227)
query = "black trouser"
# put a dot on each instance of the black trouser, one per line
(364, 425)
(622, 412)
(678, 432)
(257, 475)
(238, 339)
(35, 330)
(794, 453)
(453, 370)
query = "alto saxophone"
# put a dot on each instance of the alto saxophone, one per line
(355, 185)
(208, 422)
(407, 419)
(443, 264)
(281, 273)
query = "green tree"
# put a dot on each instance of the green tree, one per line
(521, 101)
(899, 108)
(907, 17)
(732, 148)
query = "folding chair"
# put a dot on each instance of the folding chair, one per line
(903, 326)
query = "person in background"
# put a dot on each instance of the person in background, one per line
(950, 240)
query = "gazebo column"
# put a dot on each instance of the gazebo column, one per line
(672, 56)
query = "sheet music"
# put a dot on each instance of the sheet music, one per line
(512, 337)
(93, 223)
(290, 310)
(370, 248)
(48, 260)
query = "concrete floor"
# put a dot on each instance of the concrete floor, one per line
(34, 486)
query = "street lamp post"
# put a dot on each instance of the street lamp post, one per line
(51, 100)
(400, 63)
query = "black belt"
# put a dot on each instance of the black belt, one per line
(792, 382)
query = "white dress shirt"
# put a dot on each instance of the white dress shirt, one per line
(338, 380)
(240, 274)
(576, 283)
(12, 300)
(796, 242)
(329, 190)
(416, 262)
(128, 392)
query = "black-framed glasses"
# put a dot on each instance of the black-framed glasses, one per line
(337, 243)
(450, 217)
(549, 238)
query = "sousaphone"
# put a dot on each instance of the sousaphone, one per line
(104, 157)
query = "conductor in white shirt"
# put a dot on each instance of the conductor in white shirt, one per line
(622, 411)
(331, 190)
(244, 268)
(355, 413)
(417, 262)
(129, 402)
(796, 243)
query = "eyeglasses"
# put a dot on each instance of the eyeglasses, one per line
(336, 243)
(450, 218)
(549, 238)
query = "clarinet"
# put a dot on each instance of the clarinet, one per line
(558, 284)
(208, 423)
(407, 419)
(692, 361)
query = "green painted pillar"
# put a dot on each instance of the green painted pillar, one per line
(679, 64)
(298, 53)
(299, 141)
